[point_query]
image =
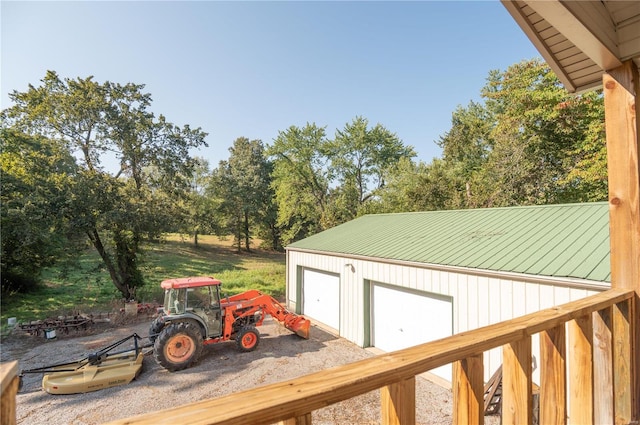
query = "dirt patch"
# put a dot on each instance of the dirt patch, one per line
(221, 370)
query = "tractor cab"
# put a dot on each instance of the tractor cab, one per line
(181, 300)
(194, 296)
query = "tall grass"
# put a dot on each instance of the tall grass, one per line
(87, 287)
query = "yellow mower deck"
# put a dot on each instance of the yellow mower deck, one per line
(102, 369)
(116, 370)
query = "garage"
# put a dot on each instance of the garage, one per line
(390, 281)
(403, 318)
(321, 297)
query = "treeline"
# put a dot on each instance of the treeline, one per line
(528, 142)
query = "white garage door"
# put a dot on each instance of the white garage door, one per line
(402, 319)
(321, 297)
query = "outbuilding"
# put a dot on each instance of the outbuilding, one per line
(392, 281)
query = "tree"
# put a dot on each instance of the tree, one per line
(242, 184)
(199, 212)
(301, 181)
(115, 209)
(532, 142)
(416, 187)
(35, 175)
(466, 148)
(540, 135)
(360, 158)
(587, 177)
(267, 218)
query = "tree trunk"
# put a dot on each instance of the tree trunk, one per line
(126, 254)
(246, 232)
(275, 237)
(238, 235)
(94, 237)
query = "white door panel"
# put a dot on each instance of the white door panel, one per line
(321, 297)
(402, 319)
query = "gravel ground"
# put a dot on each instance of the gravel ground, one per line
(221, 370)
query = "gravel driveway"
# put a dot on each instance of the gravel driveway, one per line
(221, 370)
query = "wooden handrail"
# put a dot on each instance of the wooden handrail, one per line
(298, 397)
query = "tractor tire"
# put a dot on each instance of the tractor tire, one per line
(178, 346)
(155, 328)
(248, 339)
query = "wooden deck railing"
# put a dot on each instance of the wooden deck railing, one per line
(598, 330)
(9, 386)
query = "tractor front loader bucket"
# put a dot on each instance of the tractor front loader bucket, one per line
(298, 325)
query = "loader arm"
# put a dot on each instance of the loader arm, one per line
(252, 302)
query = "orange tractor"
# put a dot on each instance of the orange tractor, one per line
(194, 315)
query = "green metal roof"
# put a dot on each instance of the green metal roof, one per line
(569, 240)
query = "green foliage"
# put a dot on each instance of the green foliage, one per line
(320, 183)
(301, 180)
(361, 157)
(115, 211)
(531, 142)
(85, 286)
(416, 187)
(35, 174)
(540, 135)
(587, 177)
(198, 212)
(243, 187)
(469, 140)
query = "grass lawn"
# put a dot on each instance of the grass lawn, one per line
(87, 288)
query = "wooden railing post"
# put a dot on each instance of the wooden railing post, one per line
(621, 362)
(468, 391)
(581, 370)
(602, 367)
(300, 420)
(9, 386)
(517, 399)
(553, 372)
(398, 402)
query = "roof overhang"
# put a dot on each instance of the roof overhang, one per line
(581, 40)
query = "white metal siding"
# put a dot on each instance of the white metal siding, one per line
(477, 300)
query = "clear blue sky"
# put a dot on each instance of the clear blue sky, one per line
(253, 69)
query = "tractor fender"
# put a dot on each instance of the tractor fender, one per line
(156, 327)
(186, 317)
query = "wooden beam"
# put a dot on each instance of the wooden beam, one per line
(468, 391)
(603, 409)
(581, 370)
(622, 101)
(553, 376)
(517, 398)
(398, 403)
